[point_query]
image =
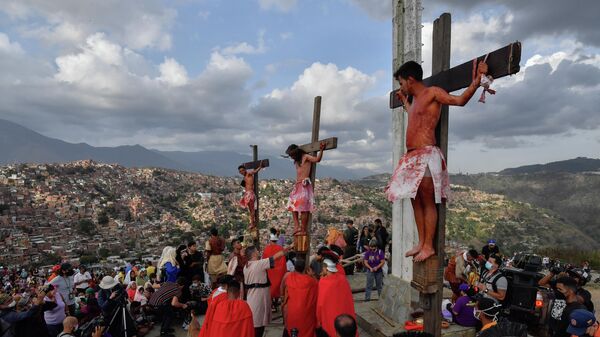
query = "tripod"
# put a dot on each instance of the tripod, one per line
(121, 313)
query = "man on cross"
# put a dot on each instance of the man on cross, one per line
(301, 198)
(421, 173)
(249, 198)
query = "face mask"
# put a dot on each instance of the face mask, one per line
(488, 265)
(476, 314)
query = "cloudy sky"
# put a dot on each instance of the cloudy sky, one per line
(221, 74)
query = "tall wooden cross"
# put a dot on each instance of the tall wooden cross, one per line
(253, 165)
(427, 275)
(302, 242)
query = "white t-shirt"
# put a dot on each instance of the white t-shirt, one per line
(65, 287)
(82, 277)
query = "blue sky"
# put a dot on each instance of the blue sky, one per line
(219, 75)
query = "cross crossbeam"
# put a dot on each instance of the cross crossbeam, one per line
(501, 62)
(253, 165)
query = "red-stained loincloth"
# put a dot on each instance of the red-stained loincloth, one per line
(248, 199)
(411, 169)
(302, 198)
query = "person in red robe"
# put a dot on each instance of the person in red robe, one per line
(275, 274)
(233, 316)
(339, 252)
(300, 301)
(328, 307)
(217, 296)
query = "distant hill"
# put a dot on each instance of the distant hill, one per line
(573, 197)
(577, 165)
(568, 200)
(21, 145)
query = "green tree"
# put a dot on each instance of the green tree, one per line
(86, 227)
(103, 252)
(102, 218)
(88, 259)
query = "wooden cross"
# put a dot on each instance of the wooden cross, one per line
(253, 165)
(302, 242)
(427, 275)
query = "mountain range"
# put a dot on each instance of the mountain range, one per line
(19, 144)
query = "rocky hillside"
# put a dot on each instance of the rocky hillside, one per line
(573, 198)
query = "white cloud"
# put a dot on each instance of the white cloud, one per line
(361, 123)
(173, 73)
(6, 46)
(136, 24)
(280, 5)
(376, 9)
(246, 48)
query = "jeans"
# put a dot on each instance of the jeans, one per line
(378, 278)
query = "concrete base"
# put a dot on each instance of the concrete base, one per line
(386, 316)
(398, 299)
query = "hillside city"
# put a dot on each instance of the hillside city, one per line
(96, 212)
(91, 211)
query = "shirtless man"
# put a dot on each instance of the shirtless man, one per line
(421, 173)
(301, 198)
(249, 198)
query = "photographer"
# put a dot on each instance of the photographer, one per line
(165, 299)
(111, 294)
(584, 296)
(9, 317)
(493, 284)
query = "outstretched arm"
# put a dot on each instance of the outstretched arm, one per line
(318, 158)
(404, 100)
(445, 98)
(257, 169)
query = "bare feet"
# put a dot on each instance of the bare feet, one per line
(414, 251)
(425, 253)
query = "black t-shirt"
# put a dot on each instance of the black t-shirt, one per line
(563, 324)
(587, 299)
(351, 236)
(560, 312)
(197, 269)
(487, 251)
(382, 237)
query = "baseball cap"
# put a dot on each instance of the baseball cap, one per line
(491, 242)
(579, 321)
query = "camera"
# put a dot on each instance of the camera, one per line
(557, 269)
(47, 288)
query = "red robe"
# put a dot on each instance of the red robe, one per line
(275, 274)
(334, 299)
(301, 304)
(340, 269)
(232, 318)
(210, 312)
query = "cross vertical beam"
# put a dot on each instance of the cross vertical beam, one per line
(316, 124)
(256, 217)
(440, 62)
